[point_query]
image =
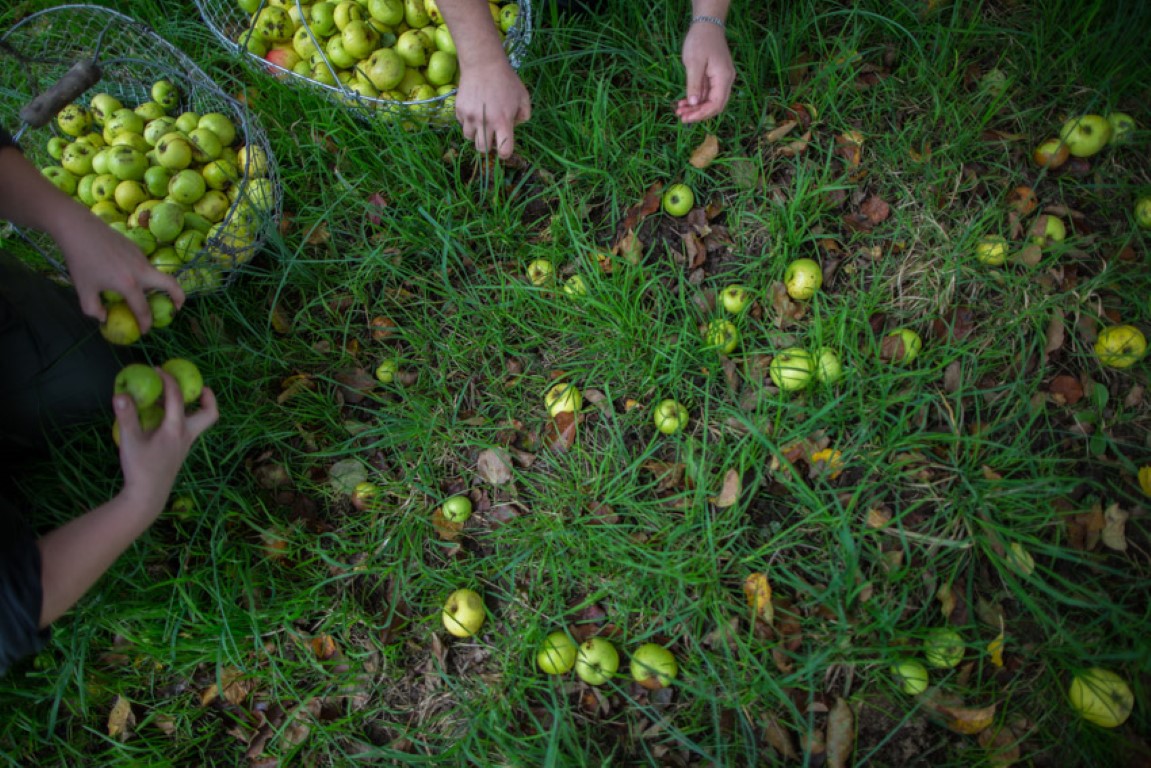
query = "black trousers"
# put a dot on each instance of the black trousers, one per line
(56, 370)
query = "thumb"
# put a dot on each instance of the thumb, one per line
(91, 305)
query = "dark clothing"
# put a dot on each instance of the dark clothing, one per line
(55, 371)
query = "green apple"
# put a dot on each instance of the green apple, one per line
(416, 14)
(102, 106)
(943, 648)
(390, 12)
(557, 655)
(575, 286)
(104, 187)
(802, 278)
(189, 242)
(384, 69)
(150, 110)
(84, 189)
(206, 145)
(653, 666)
(828, 369)
(108, 211)
(56, 147)
(432, 8)
(164, 259)
(129, 194)
(219, 124)
(359, 39)
(541, 272)
(163, 309)
(74, 119)
(364, 495)
(220, 174)
(348, 11)
(1101, 697)
(912, 676)
(991, 250)
(123, 121)
(143, 239)
(166, 222)
(304, 43)
(387, 370)
(909, 345)
(127, 163)
(166, 94)
(252, 160)
(596, 661)
(61, 178)
(273, 24)
(792, 369)
(156, 129)
(509, 15)
(156, 180)
(722, 335)
(1143, 212)
(412, 48)
(442, 68)
(1051, 154)
(174, 151)
(563, 398)
(134, 140)
(213, 206)
(322, 19)
(1048, 229)
(669, 417)
(141, 382)
(187, 121)
(1120, 346)
(187, 375)
(735, 298)
(77, 158)
(678, 200)
(186, 186)
(1122, 127)
(463, 613)
(456, 509)
(1086, 135)
(444, 40)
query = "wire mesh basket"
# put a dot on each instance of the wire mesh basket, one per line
(353, 83)
(217, 239)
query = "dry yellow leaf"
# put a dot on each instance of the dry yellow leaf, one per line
(1114, 534)
(995, 648)
(706, 152)
(757, 589)
(729, 494)
(121, 719)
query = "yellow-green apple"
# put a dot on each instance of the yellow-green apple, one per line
(1120, 346)
(991, 250)
(1102, 697)
(575, 286)
(1143, 212)
(669, 416)
(678, 199)
(456, 509)
(140, 382)
(828, 369)
(1085, 135)
(541, 272)
(902, 345)
(653, 666)
(557, 655)
(792, 369)
(802, 278)
(463, 613)
(596, 661)
(735, 298)
(1048, 229)
(912, 676)
(386, 371)
(722, 335)
(563, 398)
(943, 648)
(187, 375)
(1122, 127)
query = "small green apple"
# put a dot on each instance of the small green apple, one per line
(792, 369)
(802, 279)
(456, 509)
(722, 335)
(596, 661)
(1101, 697)
(943, 648)
(563, 398)
(913, 677)
(828, 369)
(991, 250)
(1047, 229)
(678, 200)
(1051, 154)
(1143, 212)
(653, 666)
(1122, 126)
(162, 307)
(557, 655)
(364, 495)
(387, 370)
(575, 286)
(1120, 346)
(670, 417)
(141, 382)
(187, 375)
(541, 272)
(735, 298)
(901, 345)
(463, 613)
(1086, 135)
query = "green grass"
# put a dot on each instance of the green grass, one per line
(964, 451)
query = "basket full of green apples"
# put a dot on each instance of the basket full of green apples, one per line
(155, 148)
(394, 59)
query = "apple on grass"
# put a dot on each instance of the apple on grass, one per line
(563, 398)
(901, 346)
(1086, 135)
(541, 272)
(364, 495)
(596, 661)
(678, 200)
(387, 370)
(1120, 346)
(1122, 126)
(463, 613)
(802, 279)
(735, 298)
(1051, 154)
(575, 286)
(557, 655)
(653, 666)
(792, 369)
(1102, 697)
(1048, 229)
(670, 417)
(991, 250)
(722, 335)
(943, 648)
(912, 676)
(828, 369)
(456, 509)
(1143, 212)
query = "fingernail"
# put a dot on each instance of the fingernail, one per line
(120, 402)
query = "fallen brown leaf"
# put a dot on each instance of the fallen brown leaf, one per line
(494, 466)
(121, 720)
(840, 734)
(706, 152)
(729, 494)
(780, 131)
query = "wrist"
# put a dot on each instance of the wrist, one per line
(704, 18)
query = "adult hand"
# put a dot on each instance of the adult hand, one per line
(151, 460)
(491, 102)
(101, 259)
(710, 73)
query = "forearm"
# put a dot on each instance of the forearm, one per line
(74, 556)
(476, 36)
(27, 199)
